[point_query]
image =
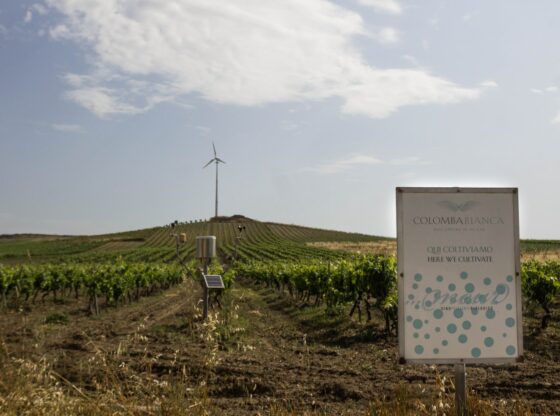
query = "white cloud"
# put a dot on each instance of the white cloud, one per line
(552, 89)
(386, 6)
(205, 131)
(343, 164)
(556, 120)
(243, 52)
(470, 15)
(356, 160)
(488, 84)
(102, 101)
(37, 8)
(67, 128)
(388, 35)
(412, 60)
(412, 160)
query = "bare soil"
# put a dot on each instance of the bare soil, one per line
(264, 352)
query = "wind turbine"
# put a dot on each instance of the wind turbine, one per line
(217, 160)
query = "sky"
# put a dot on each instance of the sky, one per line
(320, 108)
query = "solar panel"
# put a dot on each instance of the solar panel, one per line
(214, 281)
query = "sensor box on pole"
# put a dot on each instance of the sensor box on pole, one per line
(206, 247)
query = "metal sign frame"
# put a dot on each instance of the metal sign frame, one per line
(401, 256)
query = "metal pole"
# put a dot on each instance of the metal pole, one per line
(205, 291)
(461, 390)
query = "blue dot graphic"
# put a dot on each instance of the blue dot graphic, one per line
(416, 335)
(501, 289)
(488, 341)
(451, 328)
(438, 313)
(469, 287)
(428, 304)
(425, 321)
(428, 290)
(509, 278)
(490, 313)
(466, 324)
(452, 287)
(487, 281)
(474, 311)
(462, 338)
(504, 335)
(510, 322)
(509, 306)
(419, 349)
(510, 350)
(464, 275)
(418, 277)
(444, 342)
(438, 329)
(409, 318)
(411, 297)
(416, 306)
(436, 350)
(483, 328)
(475, 352)
(417, 323)
(415, 286)
(426, 336)
(458, 313)
(439, 278)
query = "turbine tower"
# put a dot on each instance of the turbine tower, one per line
(217, 160)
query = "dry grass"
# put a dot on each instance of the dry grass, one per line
(387, 247)
(543, 255)
(33, 388)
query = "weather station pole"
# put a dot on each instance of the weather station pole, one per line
(206, 293)
(205, 251)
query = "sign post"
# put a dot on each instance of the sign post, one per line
(459, 278)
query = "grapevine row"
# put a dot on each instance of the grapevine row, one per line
(117, 282)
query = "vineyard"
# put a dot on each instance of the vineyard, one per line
(118, 320)
(237, 237)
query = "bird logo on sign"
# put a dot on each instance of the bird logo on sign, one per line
(455, 207)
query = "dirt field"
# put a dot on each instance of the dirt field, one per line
(264, 354)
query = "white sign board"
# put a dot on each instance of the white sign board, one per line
(459, 275)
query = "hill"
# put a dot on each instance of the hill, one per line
(236, 236)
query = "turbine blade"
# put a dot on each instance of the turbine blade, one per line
(220, 160)
(208, 163)
(214, 149)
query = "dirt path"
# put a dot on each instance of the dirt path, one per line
(264, 354)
